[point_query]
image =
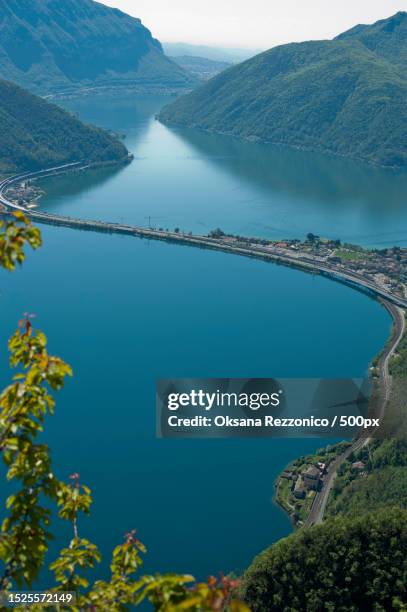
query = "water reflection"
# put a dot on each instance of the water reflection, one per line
(121, 114)
(324, 180)
(197, 181)
(79, 183)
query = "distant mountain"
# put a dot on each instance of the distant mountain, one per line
(59, 45)
(201, 68)
(346, 97)
(35, 134)
(218, 54)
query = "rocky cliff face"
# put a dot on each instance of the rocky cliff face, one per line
(53, 45)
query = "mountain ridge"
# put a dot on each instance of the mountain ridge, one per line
(48, 45)
(386, 37)
(338, 97)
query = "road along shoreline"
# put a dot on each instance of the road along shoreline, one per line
(267, 253)
(394, 304)
(383, 392)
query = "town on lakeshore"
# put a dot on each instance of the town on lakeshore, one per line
(25, 193)
(383, 271)
(386, 268)
(300, 482)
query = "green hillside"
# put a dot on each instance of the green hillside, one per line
(387, 38)
(383, 482)
(35, 134)
(346, 564)
(336, 96)
(63, 45)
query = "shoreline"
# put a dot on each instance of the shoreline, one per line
(116, 91)
(274, 143)
(378, 401)
(249, 247)
(395, 305)
(123, 161)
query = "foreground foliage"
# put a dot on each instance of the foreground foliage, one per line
(26, 529)
(15, 233)
(25, 532)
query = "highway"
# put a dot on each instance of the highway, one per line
(398, 332)
(305, 262)
(53, 171)
(321, 498)
(394, 303)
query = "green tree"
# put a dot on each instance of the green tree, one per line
(216, 233)
(26, 530)
(345, 564)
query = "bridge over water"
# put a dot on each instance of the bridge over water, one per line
(349, 277)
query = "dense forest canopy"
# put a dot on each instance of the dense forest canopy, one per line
(35, 134)
(345, 564)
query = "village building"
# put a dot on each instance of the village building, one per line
(312, 477)
(287, 474)
(358, 465)
(299, 489)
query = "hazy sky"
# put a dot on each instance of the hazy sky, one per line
(254, 23)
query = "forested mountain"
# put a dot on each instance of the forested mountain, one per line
(35, 134)
(344, 96)
(345, 564)
(387, 38)
(59, 45)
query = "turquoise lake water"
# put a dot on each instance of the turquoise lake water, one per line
(125, 311)
(199, 181)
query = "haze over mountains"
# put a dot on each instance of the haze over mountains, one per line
(53, 46)
(201, 68)
(347, 96)
(204, 62)
(35, 134)
(217, 54)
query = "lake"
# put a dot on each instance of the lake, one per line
(207, 181)
(125, 311)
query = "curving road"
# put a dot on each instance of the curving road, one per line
(399, 328)
(394, 304)
(302, 262)
(321, 498)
